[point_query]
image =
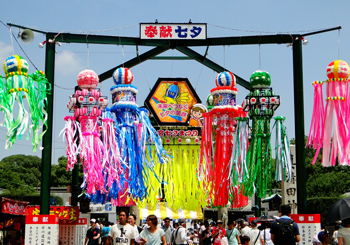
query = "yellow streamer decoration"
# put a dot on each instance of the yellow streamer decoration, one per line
(182, 186)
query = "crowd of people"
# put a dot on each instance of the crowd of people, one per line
(282, 231)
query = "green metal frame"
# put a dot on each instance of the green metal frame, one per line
(182, 46)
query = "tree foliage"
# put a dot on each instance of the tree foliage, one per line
(21, 174)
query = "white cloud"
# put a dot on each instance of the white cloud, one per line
(68, 63)
(5, 51)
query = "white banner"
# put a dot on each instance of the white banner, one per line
(173, 31)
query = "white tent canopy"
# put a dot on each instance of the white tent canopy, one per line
(162, 211)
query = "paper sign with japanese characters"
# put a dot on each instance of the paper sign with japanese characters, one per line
(41, 229)
(73, 232)
(173, 31)
(171, 100)
(309, 225)
(63, 212)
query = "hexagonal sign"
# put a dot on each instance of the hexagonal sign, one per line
(171, 100)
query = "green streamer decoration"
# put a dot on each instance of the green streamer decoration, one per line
(18, 88)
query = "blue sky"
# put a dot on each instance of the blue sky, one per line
(224, 18)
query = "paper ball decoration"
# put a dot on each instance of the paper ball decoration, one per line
(225, 78)
(210, 101)
(87, 79)
(172, 91)
(15, 63)
(122, 75)
(338, 69)
(260, 79)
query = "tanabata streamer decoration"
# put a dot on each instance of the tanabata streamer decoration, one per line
(18, 87)
(183, 186)
(261, 104)
(82, 132)
(219, 126)
(134, 134)
(336, 148)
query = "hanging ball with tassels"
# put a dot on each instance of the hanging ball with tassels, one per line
(15, 63)
(225, 78)
(122, 75)
(338, 69)
(87, 79)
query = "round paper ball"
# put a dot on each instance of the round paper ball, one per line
(87, 79)
(260, 79)
(338, 69)
(122, 76)
(225, 78)
(210, 101)
(16, 63)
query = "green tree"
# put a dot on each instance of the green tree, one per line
(20, 174)
(60, 177)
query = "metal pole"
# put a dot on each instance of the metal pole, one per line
(75, 184)
(47, 139)
(299, 125)
(257, 205)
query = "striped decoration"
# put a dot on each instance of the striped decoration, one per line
(225, 78)
(122, 75)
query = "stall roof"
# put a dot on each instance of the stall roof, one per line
(274, 196)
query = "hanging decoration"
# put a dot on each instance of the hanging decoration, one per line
(134, 134)
(19, 87)
(176, 107)
(82, 132)
(261, 104)
(335, 148)
(219, 126)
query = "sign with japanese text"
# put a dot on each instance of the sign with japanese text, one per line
(63, 212)
(309, 226)
(10, 206)
(289, 189)
(171, 100)
(178, 132)
(41, 229)
(173, 31)
(73, 232)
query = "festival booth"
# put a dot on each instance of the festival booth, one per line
(63, 224)
(12, 219)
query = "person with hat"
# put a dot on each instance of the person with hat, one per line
(218, 233)
(197, 111)
(92, 234)
(323, 237)
(168, 230)
(180, 236)
(255, 234)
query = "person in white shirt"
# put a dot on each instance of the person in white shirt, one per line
(180, 235)
(255, 234)
(131, 221)
(122, 233)
(245, 228)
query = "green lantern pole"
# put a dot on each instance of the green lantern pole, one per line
(47, 139)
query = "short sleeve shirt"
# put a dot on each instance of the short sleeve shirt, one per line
(90, 234)
(275, 228)
(345, 234)
(232, 236)
(122, 234)
(153, 238)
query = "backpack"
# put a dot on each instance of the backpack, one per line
(285, 231)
